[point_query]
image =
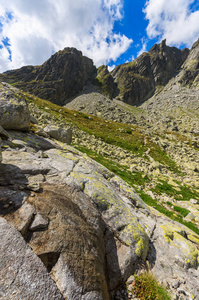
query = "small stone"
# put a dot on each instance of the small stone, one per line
(6, 205)
(193, 201)
(34, 186)
(175, 284)
(60, 134)
(131, 279)
(181, 291)
(38, 223)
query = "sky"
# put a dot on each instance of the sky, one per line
(110, 32)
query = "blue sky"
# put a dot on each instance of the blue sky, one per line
(108, 31)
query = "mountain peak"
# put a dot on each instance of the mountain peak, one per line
(68, 73)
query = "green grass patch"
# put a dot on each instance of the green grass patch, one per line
(185, 193)
(146, 287)
(183, 211)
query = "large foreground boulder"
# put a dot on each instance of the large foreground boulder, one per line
(14, 113)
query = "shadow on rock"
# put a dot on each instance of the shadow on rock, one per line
(151, 257)
(12, 188)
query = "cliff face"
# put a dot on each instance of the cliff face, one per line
(61, 77)
(189, 75)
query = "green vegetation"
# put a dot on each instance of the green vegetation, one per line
(183, 211)
(146, 287)
(184, 192)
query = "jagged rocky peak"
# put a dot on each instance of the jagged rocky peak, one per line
(61, 77)
(166, 61)
(138, 80)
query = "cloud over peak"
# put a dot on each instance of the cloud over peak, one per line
(36, 29)
(173, 20)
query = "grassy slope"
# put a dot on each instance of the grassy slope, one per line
(132, 139)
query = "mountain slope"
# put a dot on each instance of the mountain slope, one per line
(87, 226)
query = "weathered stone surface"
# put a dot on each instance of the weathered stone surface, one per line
(10, 199)
(23, 218)
(0, 151)
(173, 253)
(14, 113)
(106, 81)
(22, 274)
(190, 74)
(60, 134)
(72, 246)
(39, 223)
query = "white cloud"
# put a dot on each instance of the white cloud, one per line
(38, 28)
(173, 20)
(144, 47)
(110, 68)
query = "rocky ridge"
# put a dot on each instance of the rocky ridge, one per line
(68, 73)
(84, 227)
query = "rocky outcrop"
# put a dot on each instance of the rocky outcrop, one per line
(60, 134)
(61, 77)
(105, 80)
(14, 113)
(99, 105)
(189, 75)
